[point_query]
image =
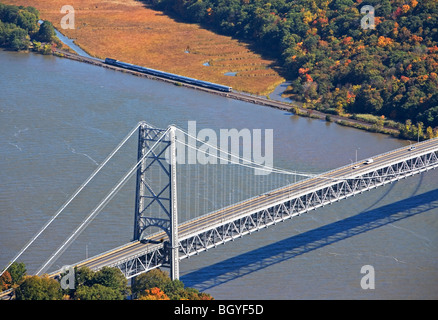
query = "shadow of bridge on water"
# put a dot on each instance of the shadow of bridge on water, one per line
(241, 265)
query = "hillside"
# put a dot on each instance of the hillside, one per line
(133, 32)
(334, 64)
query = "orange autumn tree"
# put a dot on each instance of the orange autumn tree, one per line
(384, 41)
(5, 281)
(154, 294)
(157, 285)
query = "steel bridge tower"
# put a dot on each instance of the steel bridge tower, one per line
(156, 192)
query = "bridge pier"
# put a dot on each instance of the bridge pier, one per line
(156, 204)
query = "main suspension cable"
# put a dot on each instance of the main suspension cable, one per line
(73, 196)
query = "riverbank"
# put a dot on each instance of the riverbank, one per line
(291, 106)
(83, 111)
(141, 33)
(274, 100)
(131, 31)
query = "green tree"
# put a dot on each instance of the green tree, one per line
(84, 277)
(175, 290)
(154, 278)
(368, 100)
(112, 278)
(5, 281)
(46, 32)
(17, 270)
(107, 283)
(148, 282)
(19, 39)
(38, 288)
(97, 292)
(27, 20)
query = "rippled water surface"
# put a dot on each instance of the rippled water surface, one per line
(59, 119)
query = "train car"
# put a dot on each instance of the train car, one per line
(167, 75)
(110, 61)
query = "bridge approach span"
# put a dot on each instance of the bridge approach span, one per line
(267, 209)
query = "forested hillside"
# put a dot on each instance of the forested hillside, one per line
(335, 65)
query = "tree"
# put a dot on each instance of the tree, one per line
(368, 100)
(17, 271)
(429, 133)
(157, 285)
(105, 284)
(27, 20)
(17, 26)
(154, 294)
(46, 32)
(154, 278)
(19, 39)
(38, 288)
(175, 290)
(112, 278)
(84, 277)
(97, 292)
(5, 281)
(430, 116)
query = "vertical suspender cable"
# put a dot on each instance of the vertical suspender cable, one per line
(96, 211)
(83, 185)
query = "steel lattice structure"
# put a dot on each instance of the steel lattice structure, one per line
(156, 200)
(279, 205)
(303, 203)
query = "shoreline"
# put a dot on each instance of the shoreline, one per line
(276, 101)
(291, 107)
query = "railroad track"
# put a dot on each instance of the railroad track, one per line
(233, 94)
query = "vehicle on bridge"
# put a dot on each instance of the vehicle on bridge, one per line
(152, 241)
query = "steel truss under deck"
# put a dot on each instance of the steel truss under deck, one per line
(326, 191)
(303, 203)
(152, 258)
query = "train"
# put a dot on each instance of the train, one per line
(167, 75)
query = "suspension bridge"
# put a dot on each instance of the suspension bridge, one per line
(168, 229)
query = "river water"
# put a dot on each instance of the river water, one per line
(59, 119)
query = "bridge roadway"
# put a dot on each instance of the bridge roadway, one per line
(203, 223)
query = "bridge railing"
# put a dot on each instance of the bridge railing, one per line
(374, 156)
(317, 176)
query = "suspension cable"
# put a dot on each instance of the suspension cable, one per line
(97, 210)
(73, 196)
(260, 166)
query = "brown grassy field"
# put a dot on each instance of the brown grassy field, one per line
(129, 31)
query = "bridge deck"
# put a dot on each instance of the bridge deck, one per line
(189, 230)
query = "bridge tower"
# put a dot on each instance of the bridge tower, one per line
(156, 192)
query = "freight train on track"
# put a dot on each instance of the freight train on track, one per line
(167, 75)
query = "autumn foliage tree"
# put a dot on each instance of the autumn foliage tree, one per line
(153, 294)
(20, 30)
(5, 281)
(105, 284)
(13, 276)
(322, 48)
(38, 288)
(157, 285)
